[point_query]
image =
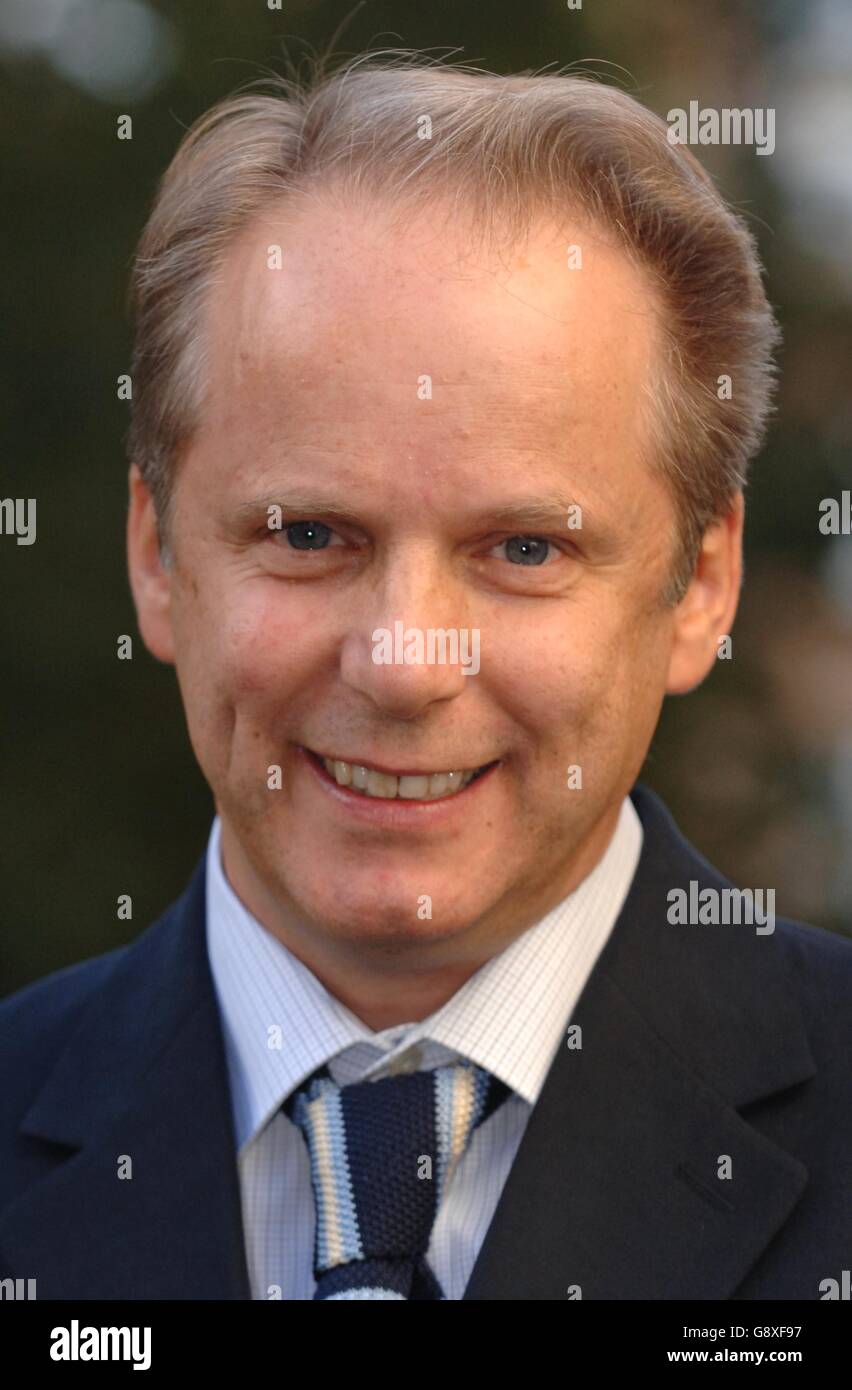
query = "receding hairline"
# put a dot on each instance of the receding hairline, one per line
(439, 220)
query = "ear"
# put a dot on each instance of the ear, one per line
(150, 580)
(706, 611)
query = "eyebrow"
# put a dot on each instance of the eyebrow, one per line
(549, 510)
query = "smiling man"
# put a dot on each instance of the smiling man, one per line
(427, 350)
(395, 508)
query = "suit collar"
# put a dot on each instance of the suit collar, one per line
(614, 1186)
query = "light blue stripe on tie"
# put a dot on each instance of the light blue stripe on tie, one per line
(445, 1090)
(338, 1237)
(456, 1087)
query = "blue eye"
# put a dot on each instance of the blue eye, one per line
(308, 535)
(527, 550)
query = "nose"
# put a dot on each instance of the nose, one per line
(408, 645)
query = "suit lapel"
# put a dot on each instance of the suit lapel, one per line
(615, 1187)
(145, 1078)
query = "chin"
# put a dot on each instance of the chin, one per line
(402, 915)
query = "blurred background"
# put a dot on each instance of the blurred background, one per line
(101, 795)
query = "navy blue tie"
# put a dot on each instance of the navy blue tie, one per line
(382, 1154)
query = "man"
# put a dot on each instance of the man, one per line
(444, 393)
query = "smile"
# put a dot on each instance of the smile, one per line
(420, 786)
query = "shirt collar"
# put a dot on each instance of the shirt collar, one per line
(280, 1023)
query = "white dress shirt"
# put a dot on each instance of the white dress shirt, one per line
(280, 1024)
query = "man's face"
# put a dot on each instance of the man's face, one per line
(441, 419)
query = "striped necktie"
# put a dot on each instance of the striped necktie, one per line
(382, 1155)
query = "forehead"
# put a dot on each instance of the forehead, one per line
(320, 299)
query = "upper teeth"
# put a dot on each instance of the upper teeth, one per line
(420, 788)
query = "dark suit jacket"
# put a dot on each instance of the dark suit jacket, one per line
(697, 1042)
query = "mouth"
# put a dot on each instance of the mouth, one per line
(384, 784)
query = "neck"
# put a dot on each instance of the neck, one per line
(383, 983)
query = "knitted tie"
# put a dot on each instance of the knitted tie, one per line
(382, 1154)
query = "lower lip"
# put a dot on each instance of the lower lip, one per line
(397, 813)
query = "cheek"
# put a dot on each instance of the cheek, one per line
(557, 674)
(254, 646)
(585, 685)
(235, 664)
(220, 653)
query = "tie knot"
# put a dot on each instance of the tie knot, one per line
(382, 1153)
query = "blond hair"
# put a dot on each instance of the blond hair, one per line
(506, 149)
